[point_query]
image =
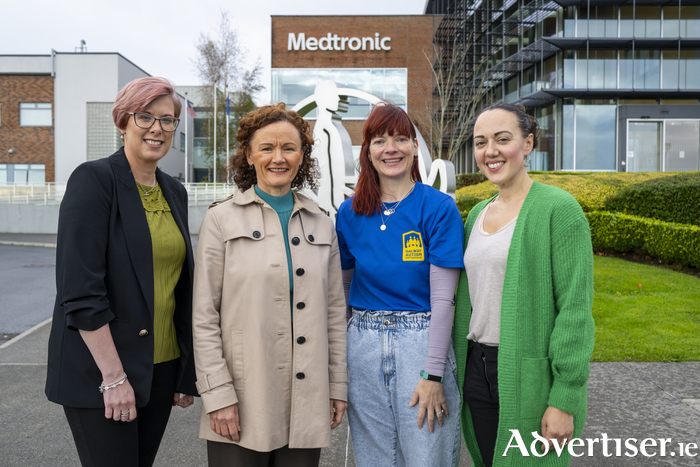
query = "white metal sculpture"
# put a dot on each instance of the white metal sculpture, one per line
(333, 149)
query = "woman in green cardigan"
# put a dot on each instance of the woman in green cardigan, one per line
(523, 323)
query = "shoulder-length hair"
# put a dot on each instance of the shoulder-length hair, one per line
(138, 94)
(244, 175)
(384, 118)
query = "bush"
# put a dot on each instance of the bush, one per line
(670, 199)
(469, 179)
(590, 189)
(677, 243)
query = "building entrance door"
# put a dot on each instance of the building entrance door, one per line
(670, 145)
(682, 145)
(644, 141)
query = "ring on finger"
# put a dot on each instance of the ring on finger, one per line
(125, 414)
(439, 412)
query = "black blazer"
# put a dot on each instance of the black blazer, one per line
(104, 274)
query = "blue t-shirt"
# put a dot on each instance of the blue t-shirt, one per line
(392, 266)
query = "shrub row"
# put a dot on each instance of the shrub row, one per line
(677, 243)
(469, 179)
(670, 199)
(591, 190)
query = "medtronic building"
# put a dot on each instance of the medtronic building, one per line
(388, 56)
(614, 83)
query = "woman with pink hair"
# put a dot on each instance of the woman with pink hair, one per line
(120, 349)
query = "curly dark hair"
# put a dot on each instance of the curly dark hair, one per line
(244, 175)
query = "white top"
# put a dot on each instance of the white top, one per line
(485, 262)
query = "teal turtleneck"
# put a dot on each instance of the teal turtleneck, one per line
(283, 206)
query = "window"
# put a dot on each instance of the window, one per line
(601, 22)
(640, 69)
(683, 73)
(35, 114)
(687, 26)
(22, 174)
(595, 134)
(182, 142)
(292, 85)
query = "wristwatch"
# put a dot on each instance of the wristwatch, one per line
(430, 377)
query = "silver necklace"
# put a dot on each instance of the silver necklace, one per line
(146, 193)
(389, 211)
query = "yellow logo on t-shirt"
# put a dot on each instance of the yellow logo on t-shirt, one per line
(412, 246)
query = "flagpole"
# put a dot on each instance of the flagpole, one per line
(215, 158)
(227, 117)
(187, 137)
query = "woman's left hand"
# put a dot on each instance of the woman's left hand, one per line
(431, 395)
(183, 400)
(337, 410)
(557, 424)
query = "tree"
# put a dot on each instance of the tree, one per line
(457, 95)
(219, 65)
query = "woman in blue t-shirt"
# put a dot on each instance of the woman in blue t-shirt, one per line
(401, 252)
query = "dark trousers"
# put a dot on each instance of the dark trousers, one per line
(102, 442)
(233, 455)
(481, 395)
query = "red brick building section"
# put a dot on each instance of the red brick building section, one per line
(31, 145)
(411, 40)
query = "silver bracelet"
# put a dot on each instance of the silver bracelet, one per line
(103, 387)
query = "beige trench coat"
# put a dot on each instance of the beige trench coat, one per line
(246, 350)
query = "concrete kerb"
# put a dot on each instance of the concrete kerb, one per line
(44, 245)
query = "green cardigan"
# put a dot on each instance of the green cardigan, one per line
(547, 330)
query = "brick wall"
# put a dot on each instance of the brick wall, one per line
(32, 145)
(411, 36)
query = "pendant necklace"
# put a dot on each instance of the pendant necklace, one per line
(146, 193)
(389, 211)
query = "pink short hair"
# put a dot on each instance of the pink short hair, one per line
(138, 94)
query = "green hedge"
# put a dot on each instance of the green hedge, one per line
(670, 199)
(677, 243)
(469, 179)
(591, 190)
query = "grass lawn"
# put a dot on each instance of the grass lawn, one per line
(658, 322)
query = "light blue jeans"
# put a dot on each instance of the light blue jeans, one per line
(386, 352)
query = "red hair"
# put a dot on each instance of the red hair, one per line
(138, 94)
(384, 118)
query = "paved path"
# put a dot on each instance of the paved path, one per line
(626, 400)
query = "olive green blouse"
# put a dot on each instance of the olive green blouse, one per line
(168, 248)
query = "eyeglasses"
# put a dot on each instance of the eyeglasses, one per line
(146, 121)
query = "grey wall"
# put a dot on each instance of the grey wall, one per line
(80, 78)
(40, 219)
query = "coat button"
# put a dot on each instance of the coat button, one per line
(301, 375)
(301, 340)
(301, 305)
(143, 333)
(311, 238)
(300, 272)
(295, 241)
(256, 234)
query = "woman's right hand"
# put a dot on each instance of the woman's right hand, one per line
(225, 422)
(120, 400)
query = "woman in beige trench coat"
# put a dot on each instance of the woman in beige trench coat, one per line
(268, 312)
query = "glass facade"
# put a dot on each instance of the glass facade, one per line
(292, 85)
(578, 69)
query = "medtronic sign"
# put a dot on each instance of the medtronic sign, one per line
(335, 42)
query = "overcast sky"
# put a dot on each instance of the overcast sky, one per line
(158, 39)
